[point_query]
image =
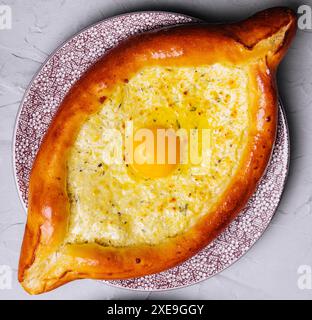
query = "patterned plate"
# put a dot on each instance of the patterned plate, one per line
(54, 80)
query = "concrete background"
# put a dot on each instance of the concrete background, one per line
(269, 269)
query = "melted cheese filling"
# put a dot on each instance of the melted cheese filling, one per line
(112, 204)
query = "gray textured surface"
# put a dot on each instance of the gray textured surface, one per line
(269, 269)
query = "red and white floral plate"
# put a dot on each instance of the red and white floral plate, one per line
(54, 80)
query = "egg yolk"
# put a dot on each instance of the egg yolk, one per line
(156, 152)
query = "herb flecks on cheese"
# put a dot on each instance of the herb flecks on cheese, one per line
(113, 206)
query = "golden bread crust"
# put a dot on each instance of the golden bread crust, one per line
(259, 42)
